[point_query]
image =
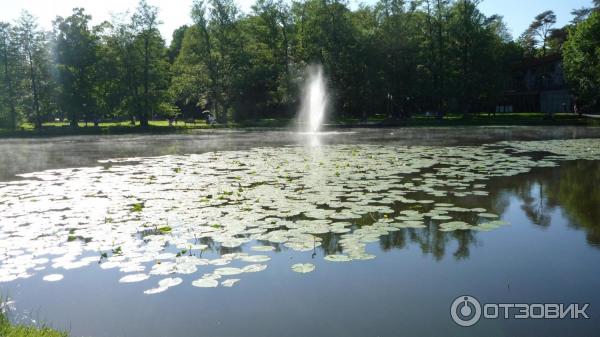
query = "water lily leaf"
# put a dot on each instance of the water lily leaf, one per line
(133, 278)
(488, 215)
(262, 248)
(53, 277)
(229, 282)
(228, 271)
(156, 290)
(205, 283)
(255, 258)
(253, 268)
(170, 282)
(303, 267)
(337, 258)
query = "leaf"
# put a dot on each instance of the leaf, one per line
(303, 268)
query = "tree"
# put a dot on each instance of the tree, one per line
(541, 27)
(195, 72)
(176, 41)
(32, 51)
(76, 59)
(581, 58)
(580, 14)
(119, 70)
(151, 46)
(10, 60)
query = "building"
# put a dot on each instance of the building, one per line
(538, 85)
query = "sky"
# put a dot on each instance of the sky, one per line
(174, 13)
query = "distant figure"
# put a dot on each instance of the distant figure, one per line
(209, 118)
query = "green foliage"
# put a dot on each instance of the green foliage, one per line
(392, 59)
(9, 60)
(581, 59)
(76, 59)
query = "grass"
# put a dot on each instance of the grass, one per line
(14, 330)
(506, 119)
(162, 126)
(499, 119)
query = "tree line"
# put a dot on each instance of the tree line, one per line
(397, 57)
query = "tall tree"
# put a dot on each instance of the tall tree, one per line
(145, 21)
(32, 44)
(582, 61)
(541, 28)
(76, 58)
(176, 41)
(9, 60)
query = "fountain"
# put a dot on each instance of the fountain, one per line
(314, 101)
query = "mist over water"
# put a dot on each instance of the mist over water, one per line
(314, 100)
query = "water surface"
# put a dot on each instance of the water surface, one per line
(370, 196)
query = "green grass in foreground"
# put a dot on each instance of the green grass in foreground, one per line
(10, 330)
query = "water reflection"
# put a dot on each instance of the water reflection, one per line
(571, 188)
(542, 196)
(540, 193)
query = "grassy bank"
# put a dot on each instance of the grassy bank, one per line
(159, 127)
(10, 330)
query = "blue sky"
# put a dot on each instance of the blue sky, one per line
(518, 14)
(174, 13)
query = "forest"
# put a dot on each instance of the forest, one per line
(395, 57)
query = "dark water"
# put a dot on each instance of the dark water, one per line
(549, 254)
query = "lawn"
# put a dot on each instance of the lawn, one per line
(162, 126)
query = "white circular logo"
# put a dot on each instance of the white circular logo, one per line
(465, 310)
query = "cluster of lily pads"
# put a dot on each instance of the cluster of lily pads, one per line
(157, 216)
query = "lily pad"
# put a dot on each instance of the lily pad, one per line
(303, 267)
(53, 277)
(337, 258)
(229, 282)
(133, 278)
(205, 283)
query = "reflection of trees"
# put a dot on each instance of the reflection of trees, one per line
(572, 187)
(430, 240)
(578, 192)
(531, 189)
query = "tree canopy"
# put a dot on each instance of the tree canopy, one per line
(396, 57)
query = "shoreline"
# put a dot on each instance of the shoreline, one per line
(161, 127)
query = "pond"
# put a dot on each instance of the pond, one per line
(353, 232)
